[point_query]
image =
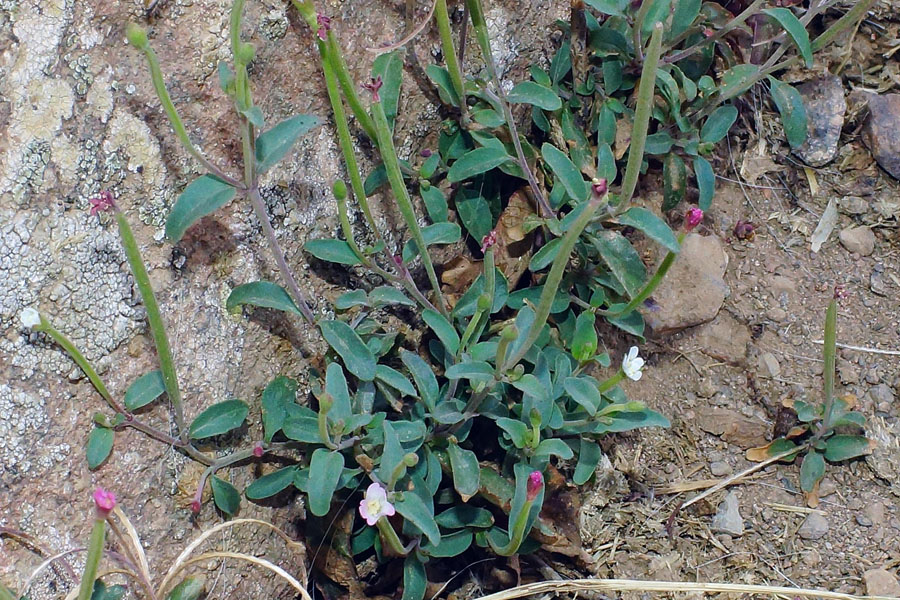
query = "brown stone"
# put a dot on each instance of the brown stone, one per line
(733, 427)
(825, 108)
(881, 582)
(724, 338)
(881, 132)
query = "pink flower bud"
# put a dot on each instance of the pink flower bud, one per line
(708, 33)
(599, 186)
(534, 485)
(258, 450)
(373, 86)
(196, 505)
(426, 153)
(693, 218)
(840, 292)
(324, 26)
(103, 202)
(104, 502)
(489, 240)
(744, 230)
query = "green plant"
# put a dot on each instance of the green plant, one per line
(830, 431)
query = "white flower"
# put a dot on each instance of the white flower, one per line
(30, 318)
(632, 364)
(375, 505)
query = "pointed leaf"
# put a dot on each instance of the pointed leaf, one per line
(651, 225)
(622, 259)
(144, 390)
(391, 454)
(795, 29)
(270, 484)
(424, 377)
(389, 66)
(466, 472)
(201, 197)
(589, 456)
(530, 92)
(336, 251)
(99, 445)
(566, 172)
(793, 113)
(280, 392)
(395, 379)
(227, 498)
(718, 124)
(263, 294)
(324, 473)
(473, 371)
(438, 233)
(584, 391)
(275, 143)
(386, 294)
(357, 357)
(218, 419)
(465, 515)
(737, 80)
(190, 588)
(443, 329)
(477, 161)
(706, 182)
(416, 512)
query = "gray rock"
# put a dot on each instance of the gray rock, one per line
(720, 468)
(694, 288)
(825, 108)
(853, 205)
(881, 393)
(881, 582)
(863, 521)
(728, 516)
(881, 132)
(768, 365)
(725, 339)
(814, 527)
(860, 240)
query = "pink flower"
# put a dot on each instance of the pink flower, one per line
(840, 292)
(102, 203)
(258, 450)
(196, 505)
(324, 26)
(375, 504)
(426, 153)
(743, 230)
(104, 501)
(534, 485)
(599, 186)
(489, 240)
(373, 86)
(693, 218)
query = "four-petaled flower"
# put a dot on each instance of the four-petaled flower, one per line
(533, 486)
(693, 218)
(103, 202)
(373, 86)
(324, 26)
(375, 504)
(104, 501)
(31, 318)
(488, 241)
(632, 364)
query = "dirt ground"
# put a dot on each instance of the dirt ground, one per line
(720, 383)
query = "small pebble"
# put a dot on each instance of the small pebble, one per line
(720, 468)
(881, 582)
(728, 516)
(814, 527)
(863, 521)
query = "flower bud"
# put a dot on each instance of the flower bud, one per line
(246, 52)
(489, 240)
(258, 450)
(339, 189)
(484, 302)
(136, 36)
(599, 186)
(31, 318)
(411, 459)
(104, 502)
(693, 218)
(196, 505)
(534, 485)
(426, 153)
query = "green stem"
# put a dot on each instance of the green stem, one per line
(92, 563)
(82, 362)
(641, 118)
(648, 288)
(554, 277)
(390, 536)
(401, 194)
(829, 356)
(349, 88)
(857, 13)
(637, 29)
(453, 67)
(612, 382)
(154, 318)
(518, 532)
(482, 314)
(705, 42)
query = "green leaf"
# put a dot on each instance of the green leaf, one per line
(443, 329)
(389, 66)
(218, 419)
(270, 484)
(101, 592)
(658, 143)
(584, 391)
(718, 124)
(793, 113)
(227, 498)
(737, 80)
(844, 447)
(795, 29)
(144, 390)
(545, 256)
(623, 261)
(811, 471)
(475, 214)
(424, 377)
(202, 196)
(226, 77)
(477, 161)
(530, 92)
(415, 581)
(651, 225)
(324, 473)
(274, 144)
(465, 515)
(190, 588)
(350, 299)
(441, 79)
(302, 429)
(706, 182)
(683, 17)
(466, 472)
(435, 204)
(280, 392)
(395, 379)
(391, 454)
(608, 7)
(336, 251)
(336, 387)
(99, 445)
(263, 294)
(453, 544)
(473, 371)
(413, 509)
(357, 357)
(566, 172)
(255, 116)
(488, 117)
(584, 341)
(439, 233)
(554, 446)
(517, 430)
(589, 456)
(674, 181)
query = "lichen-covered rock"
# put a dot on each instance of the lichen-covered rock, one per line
(881, 132)
(825, 108)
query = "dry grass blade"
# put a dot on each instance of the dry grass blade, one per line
(43, 566)
(630, 585)
(135, 541)
(182, 558)
(406, 39)
(261, 562)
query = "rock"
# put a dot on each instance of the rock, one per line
(825, 108)
(768, 365)
(814, 527)
(720, 468)
(853, 205)
(881, 132)
(863, 521)
(860, 240)
(874, 511)
(777, 314)
(881, 582)
(694, 288)
(725, 339)
(733, 427)
(728, 516)
(881, 393)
